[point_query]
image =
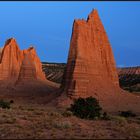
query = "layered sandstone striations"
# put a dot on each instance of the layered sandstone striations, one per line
(91, 67)
(19, 65)
(31, 67)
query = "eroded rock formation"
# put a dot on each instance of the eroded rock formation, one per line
(91, 67)
(31, 68)
(1, 52)
(10, 61)
(17, 65)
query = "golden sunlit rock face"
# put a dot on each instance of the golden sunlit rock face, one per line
(17, 65)
(91, 68)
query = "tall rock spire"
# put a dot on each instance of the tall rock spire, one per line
(10, 60)
(91, 68)
(19, 65)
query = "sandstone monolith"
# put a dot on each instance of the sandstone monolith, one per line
(91, 69)
(19, 65)
(10, 61)
(31, 68)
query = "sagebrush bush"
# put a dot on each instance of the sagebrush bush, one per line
(87, 108)
(4, 104)
(128, 113)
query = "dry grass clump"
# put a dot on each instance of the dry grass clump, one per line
(67, 113)
(62, 125)
(119, 119)
(54, 114)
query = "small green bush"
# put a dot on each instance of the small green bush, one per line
(127, 114)
(87, 108)
(4, 104)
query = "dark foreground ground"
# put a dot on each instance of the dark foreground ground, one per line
(44, 122)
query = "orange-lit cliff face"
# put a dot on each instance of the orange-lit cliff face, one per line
(17, 65)
(10, 61)
(91, 68)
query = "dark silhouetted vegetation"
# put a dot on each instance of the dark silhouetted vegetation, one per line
(127, 114)
(4, 104)
(11, 101)
(87, 108)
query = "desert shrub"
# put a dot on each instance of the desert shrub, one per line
(8, 120)
(127, 114)
(137, 134)
(38, 112)
(130, 90)
(62, 125)
(54, 114)
(4, 104)
(11, 101)
(138, 117)
(21, 107)
(105, 116)
(67, 113)
(30, 109)
(119, 119)
(87, 108)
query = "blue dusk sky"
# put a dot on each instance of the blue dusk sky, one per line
(48, 27)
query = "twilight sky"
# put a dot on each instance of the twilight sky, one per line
(48, 26)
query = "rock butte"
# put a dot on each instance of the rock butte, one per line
(17, 65)
(21, 75)
(91, 67)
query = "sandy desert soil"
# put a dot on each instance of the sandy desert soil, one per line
(42, 121)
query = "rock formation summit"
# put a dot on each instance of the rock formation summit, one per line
(19, 65)
(21, 74)
(91, 67)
